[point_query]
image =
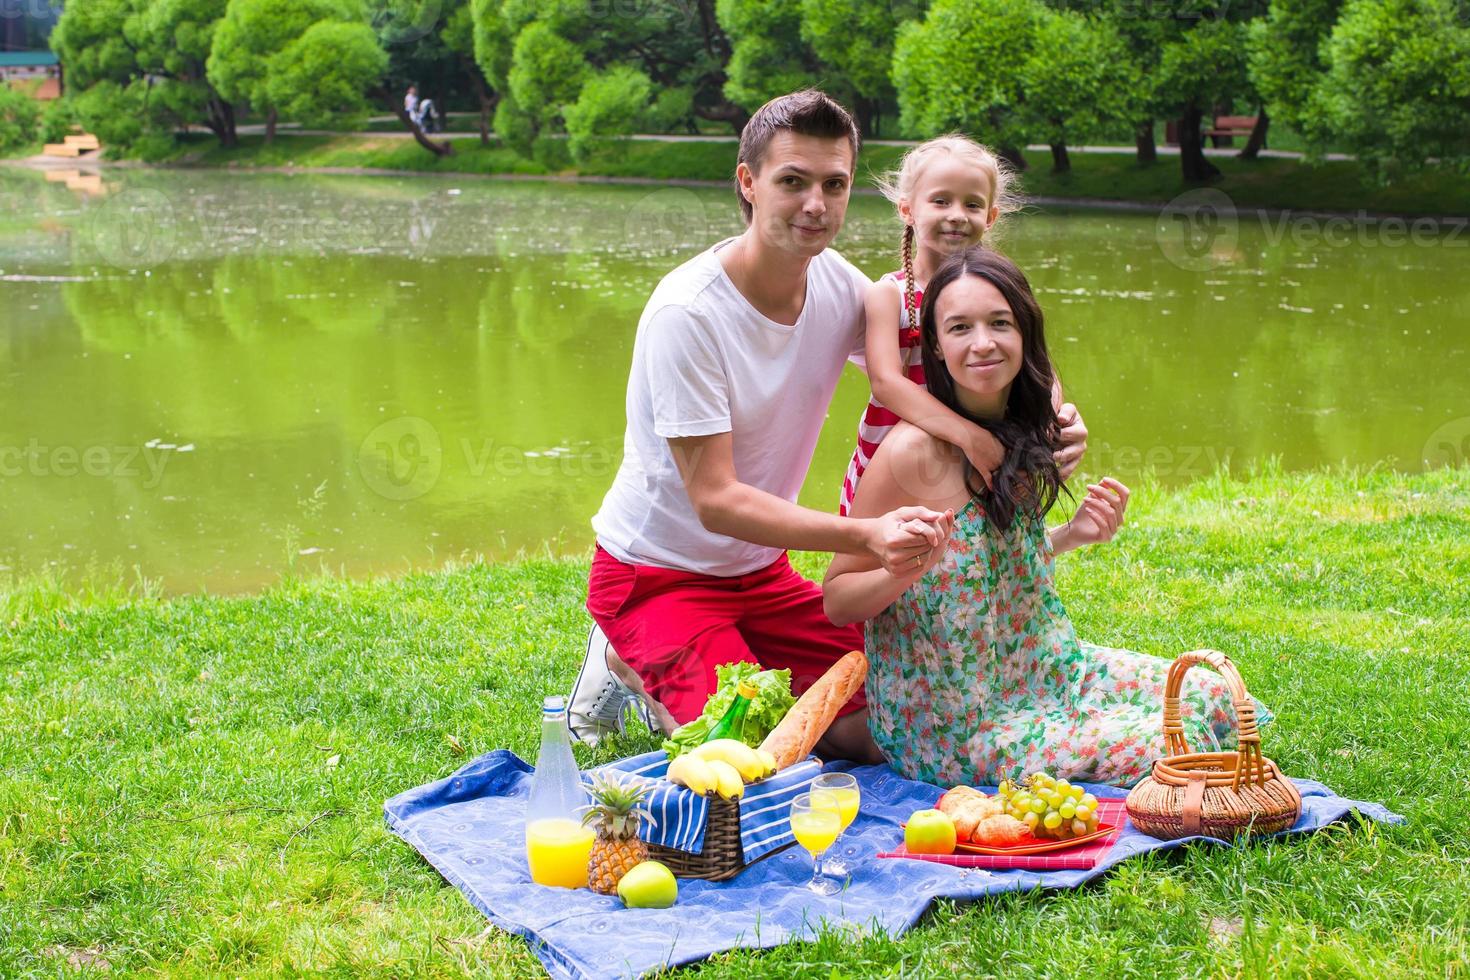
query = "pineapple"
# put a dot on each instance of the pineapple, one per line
(617, 849)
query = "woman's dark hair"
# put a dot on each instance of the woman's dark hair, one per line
(1028, 479)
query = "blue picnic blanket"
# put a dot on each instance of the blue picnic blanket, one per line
(469, 826)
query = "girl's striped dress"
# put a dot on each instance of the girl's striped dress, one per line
(877, 421)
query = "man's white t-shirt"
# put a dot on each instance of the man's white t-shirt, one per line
(705, 361)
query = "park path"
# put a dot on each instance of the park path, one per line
(289, 129)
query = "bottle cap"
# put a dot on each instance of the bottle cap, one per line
(554, 704)
(746, 689)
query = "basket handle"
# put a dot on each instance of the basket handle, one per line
(1251, 765)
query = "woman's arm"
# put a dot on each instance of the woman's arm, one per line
(910, 466)
(1097, 519)
(913, 403)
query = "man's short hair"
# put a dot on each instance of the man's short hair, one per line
(809, 112)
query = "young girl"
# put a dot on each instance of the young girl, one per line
(949, 191)
(975, 673)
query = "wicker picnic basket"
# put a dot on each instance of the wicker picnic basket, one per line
(1218, 794)
(722, 857)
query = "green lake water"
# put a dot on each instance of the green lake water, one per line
(211, 377)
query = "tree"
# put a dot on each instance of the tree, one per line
(610, 104)
(173, 40)
(250, 37)
(459, 37)
(767, 55)
(961, 68)
(1283, 57)
(1397, 88)
(1202, 68)
(537, 55)
(322, 75)
(1076, 82)
(137, 68)
(854, 40)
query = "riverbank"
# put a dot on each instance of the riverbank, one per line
(193, 785)
(1276, 183)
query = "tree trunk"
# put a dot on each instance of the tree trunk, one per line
(482, 93)
(1061, 163)
(221, 121)
(1143, 138)
(440, 149)
(1257, 141)
(724, 112)
(1192, 161)
(1012, 154)
(270, 126)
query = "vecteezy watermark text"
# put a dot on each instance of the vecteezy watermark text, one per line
(105, 462)
(404, 458)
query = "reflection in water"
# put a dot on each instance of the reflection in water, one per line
(190, 357)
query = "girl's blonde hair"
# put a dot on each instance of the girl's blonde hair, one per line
(898, 185)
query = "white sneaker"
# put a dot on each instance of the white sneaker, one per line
(599, 701)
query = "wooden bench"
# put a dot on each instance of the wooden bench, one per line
(1217, 128)
(1227, 126)
(75, 145)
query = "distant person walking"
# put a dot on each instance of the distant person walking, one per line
(411, 103)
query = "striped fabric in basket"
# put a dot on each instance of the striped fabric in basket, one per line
(765, 809)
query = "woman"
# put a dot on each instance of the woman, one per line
(975, 673)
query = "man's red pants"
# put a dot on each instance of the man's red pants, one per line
(675, 627)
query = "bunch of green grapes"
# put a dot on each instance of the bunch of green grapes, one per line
(1050, 807)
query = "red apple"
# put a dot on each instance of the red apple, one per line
(929, 832)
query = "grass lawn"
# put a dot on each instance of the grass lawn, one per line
(193, 786)
(1266, 183)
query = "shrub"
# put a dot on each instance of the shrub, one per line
(19, 119)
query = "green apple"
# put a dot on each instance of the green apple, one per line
(929, 832)
(649, 885)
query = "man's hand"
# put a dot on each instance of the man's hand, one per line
(903, 540)
(1074, 440)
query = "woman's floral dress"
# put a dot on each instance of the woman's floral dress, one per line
(975, 674)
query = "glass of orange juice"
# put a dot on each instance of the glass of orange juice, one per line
(557, 848)
(839, 791)
(815, 824)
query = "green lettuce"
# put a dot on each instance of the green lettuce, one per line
(772, 700)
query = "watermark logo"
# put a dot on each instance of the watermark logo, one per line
(401, 459)
(404, 21)
(667, 220)
(136, 228)
(1448, 445)
(1197, 231)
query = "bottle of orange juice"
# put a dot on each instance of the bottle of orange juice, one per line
(557, 845)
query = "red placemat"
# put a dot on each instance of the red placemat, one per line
(1080, 858)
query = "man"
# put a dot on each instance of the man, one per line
(734, 364)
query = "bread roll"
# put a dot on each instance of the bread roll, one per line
(999, 830)
(809, 718)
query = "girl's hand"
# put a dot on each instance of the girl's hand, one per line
(1100, 515)
(1074, 440)
(985, 452)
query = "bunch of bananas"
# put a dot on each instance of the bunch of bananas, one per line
(723, 766)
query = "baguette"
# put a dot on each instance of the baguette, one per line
(810, 717)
